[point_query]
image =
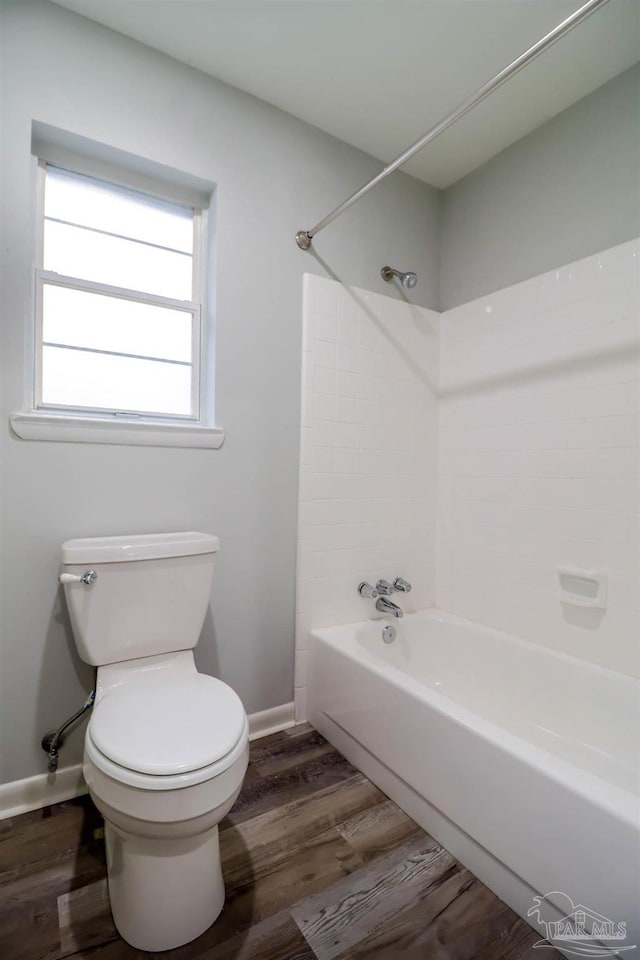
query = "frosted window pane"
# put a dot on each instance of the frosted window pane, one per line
(104, 206)
(73, 378)
(82, 319)
(120, 263)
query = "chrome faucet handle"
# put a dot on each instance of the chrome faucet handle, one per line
(403, 586)
(384, 588)
(366, 590)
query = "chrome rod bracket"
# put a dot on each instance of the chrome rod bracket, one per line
(303, 239)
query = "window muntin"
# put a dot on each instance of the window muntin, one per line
(85, 319)
(84, 201)
(118, 307)
(111, 383)
(117, 262)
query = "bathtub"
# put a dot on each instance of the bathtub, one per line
(522, 762)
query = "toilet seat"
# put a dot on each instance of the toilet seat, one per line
(165, 733)
(146, 781)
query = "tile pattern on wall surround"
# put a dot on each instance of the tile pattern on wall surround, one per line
(368, 455)
(538, 456)
(525, 402)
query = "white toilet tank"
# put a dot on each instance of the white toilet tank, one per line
(150, 595)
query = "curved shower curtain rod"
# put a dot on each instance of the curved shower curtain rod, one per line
(304, 237)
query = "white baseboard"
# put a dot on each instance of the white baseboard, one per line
(20, 796)
(271, 721)
(42, 790)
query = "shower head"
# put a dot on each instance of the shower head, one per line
(408, 280)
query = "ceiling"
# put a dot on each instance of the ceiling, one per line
(379, 73)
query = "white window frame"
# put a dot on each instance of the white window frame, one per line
(101, 425)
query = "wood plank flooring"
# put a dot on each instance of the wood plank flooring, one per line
(318, 864)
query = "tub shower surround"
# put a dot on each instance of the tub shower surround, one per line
(533, 393)
(368, 455)
(509, 732)
(538, 457)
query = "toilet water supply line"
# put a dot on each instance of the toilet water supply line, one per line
(52, 741)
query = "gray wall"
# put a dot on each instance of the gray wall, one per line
(569, 189)
(275, 175)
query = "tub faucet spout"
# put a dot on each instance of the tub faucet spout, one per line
(384, 605)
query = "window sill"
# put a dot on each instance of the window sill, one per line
(47, 426)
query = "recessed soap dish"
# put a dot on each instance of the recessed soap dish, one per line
(582, 588)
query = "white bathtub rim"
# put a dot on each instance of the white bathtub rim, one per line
(437, 615)
(615, 800)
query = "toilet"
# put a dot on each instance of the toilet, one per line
(166, 748)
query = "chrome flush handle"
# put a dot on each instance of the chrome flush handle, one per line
(89, 577)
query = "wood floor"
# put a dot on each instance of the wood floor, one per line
(318, 864)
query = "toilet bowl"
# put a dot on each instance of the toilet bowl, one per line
(166, 748)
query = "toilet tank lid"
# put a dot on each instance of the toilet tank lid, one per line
(145, 546)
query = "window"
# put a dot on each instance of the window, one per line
(119, 302)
